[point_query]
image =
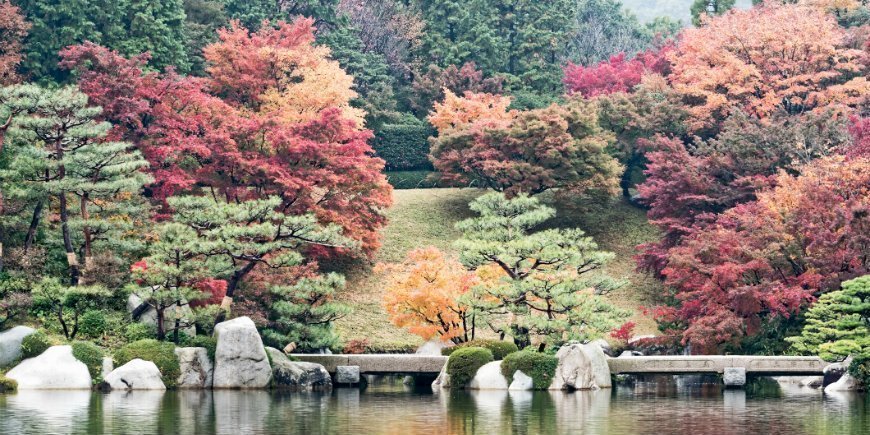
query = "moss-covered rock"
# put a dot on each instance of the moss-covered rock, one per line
(162, 354)
(541, 367)
(499, 348)
(7, 384)
(464, 362)
(92, 356)
(35, 344)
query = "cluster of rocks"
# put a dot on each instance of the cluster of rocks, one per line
(241, 362)
(580, 367)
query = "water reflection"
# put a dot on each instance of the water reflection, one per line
(389, 407)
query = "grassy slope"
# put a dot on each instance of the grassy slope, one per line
(426, 217)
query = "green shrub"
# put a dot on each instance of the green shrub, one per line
(7, 384)
(208, 342)
(92, 324)
(541, 367)
(139, 331)
(35, 344)
(860, 368)
(92, 356)
(499, 348)
(464, 362)
(404, 145)
(160, 353)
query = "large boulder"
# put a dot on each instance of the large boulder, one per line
(54, 369)
(443, 379)
(846, 383)
(833, 372)
(10, 344)
(432, 347)
(149, 316)
(137, 374)
(581, 367)
(240, 360)
(604, 345)
(521, 382)
(297, 375)
(489, 377)
(197, 371)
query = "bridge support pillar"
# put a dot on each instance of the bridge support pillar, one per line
(347, 375)
(734, 377)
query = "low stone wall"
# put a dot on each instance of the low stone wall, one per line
(768, 365)
(381, 364)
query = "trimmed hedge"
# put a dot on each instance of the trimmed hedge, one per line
(162, 354)
(35, 344)
(463, 364)
(541, 367)
(92, 356)
(499, 349)
(404, 146)
(7, 384)
(139, 331)
(206, 341)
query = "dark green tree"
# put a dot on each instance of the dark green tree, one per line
(709, 7)
(129, 26)
(550, 280)
(303, 313)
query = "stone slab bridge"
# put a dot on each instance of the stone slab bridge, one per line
(405, 364)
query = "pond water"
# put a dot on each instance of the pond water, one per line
(388, 407)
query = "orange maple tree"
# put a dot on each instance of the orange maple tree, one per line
(424, 295)
(772, 57)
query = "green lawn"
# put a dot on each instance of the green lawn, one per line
(424, 217)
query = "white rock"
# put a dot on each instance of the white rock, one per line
(240, 360)
(489, 377)
(521, 382)
(197, 371)
(297, 375)
(55, 369)
(846, 383)
(431, 347)
(443, 379)
(149, 316)
(10, 343)
(136, 375)
(107, 367)
(811, 381)
(604, 345)
(581, 367)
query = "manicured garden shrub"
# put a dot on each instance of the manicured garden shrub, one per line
(499, 348)
(7, 384)
(92, 324)
(92, 356)
(139, 331)
(541, 367)
(35, 344)
(464, 362)
(404, 145)
(160, 353)
(206, 341)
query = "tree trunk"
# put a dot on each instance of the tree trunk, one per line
(34, 224)
(161, 332)
(87, 233)
(71, 257)
(235, 280)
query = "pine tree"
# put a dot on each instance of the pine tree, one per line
(550, 280)
(58, 151)
(251, 233)
(303, 313)
(166, 279)
(838, 325)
